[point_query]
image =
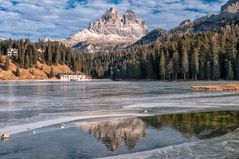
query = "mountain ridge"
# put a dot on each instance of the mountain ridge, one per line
(229, 15)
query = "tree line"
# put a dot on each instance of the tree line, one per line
(50, 53)
(205, 56)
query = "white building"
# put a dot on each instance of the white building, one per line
(40, 51)
(72, 77)
(12, 52)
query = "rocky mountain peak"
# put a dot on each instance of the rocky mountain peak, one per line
(113, 10)
(231, 7)
(111, 14)
(130, 12)
(111, 30)
(130, 16)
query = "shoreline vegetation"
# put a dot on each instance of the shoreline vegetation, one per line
(25, 60)
(231, 87)
(125, 80)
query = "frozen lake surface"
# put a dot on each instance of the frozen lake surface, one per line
(42, 106)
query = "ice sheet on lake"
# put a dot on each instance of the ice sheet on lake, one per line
(35, 125)
(225, 147)
(23, 102)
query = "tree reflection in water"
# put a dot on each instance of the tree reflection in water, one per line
(202, 125)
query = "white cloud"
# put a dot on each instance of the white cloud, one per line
(57, 19)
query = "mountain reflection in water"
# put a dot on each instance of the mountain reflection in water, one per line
(202, 125)
(112, 134)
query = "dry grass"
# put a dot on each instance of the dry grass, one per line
(218, 87)
(39, 72)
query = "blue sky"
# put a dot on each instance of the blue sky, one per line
(61, 18)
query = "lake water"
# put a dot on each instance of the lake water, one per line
(119, 119)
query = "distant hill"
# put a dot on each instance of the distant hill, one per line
(39, 72)
(229, 15)
(155, 35)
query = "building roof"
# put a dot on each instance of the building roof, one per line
(71, 74)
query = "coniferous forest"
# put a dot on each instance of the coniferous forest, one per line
(201, 56)
(50, 53)
(198, 56)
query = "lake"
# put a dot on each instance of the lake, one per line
(118, 120)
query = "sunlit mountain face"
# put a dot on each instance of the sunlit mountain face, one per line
(60, 19)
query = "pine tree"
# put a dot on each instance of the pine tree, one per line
(215, 59)
(162, 66)
(49, 53)
(230, 75)
(175, 65)
(216, 68)
(7, 64)
(208, 71)
(57, 54)
(185, 65)
(18, 72)
(1, 58)
(27, 61)
(52, 73)
(237, 66)
(169, 69)
(195, 62)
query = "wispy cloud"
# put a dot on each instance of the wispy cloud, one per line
(61, 18)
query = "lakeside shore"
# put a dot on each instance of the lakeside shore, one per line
(44, 80)
(219, 84)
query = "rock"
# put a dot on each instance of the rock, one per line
(62, 126)
(231, 7)
(110, 31)
(5, 136)
(185, 23)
